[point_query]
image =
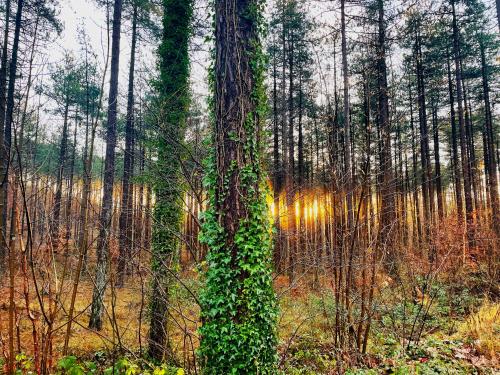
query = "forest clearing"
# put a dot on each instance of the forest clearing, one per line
(249, 187)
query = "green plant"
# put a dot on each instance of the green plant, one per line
(238, 303)
(70, 366)
(24, 364)
(172, 105)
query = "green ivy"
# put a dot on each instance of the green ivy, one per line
(70, 365)
(172, 104)
(239, 311)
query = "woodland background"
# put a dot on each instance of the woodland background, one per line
(380, 147)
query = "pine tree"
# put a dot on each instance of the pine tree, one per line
(3, 150)
(238, 303)
(128, 163)
(109, 177)
(388, 210)
(172, 110)
(66, 87)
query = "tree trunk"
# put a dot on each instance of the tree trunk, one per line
(3, 150)
(69, 202)
(277, 170)
(437, 163)
(387, 205)
(290, 176)
(461, 128)
(301, 232)
(471, 152)
(457, 175)
(417, 233)
(173, 90)
(424, 142)
(490, 154)
(240, 252)
(54, 227)
(347, 124)
(9, 113)
(128, 167)
(498, 13)
(88, 154)
(109, 176)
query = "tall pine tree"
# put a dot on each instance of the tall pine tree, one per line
(238, 302)
(172, 105)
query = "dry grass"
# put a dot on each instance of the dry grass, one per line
(305, 324)
(300, 316)
(126, 310)
(483, 329)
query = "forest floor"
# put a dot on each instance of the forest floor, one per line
(460, 328)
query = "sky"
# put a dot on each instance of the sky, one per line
(78, 15)
(84, 14)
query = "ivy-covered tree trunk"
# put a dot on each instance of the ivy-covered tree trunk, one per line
(173, 105)
(238, 302)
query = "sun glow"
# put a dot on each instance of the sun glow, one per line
(309, 207)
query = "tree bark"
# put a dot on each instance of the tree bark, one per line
(3, 150)
(387, 205)
(126, 211)
(69, 202)
(277, 170)
(347, 123)
(424, 141)
(471, 152)
(457, 175)
(498, 13)
(240, 252)
(54, 227)
(290, 176)
(416, 202)
(109, 176)
(9, 112)
(173, 107)
(437, 163)
(490, 154)
(461, 128)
